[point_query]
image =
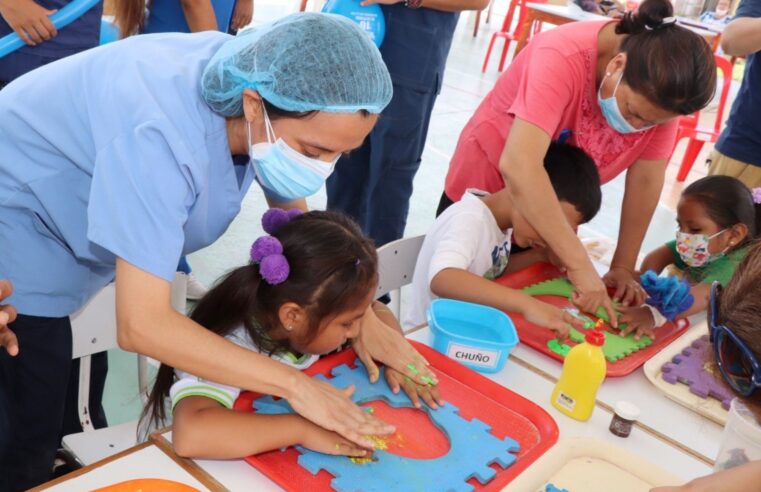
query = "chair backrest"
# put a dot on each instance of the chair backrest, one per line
(93, 330)
(726, 68)
(93, 327)
(396, 263)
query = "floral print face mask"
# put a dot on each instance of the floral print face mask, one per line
(693, 248)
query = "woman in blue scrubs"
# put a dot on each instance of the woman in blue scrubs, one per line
(117, 161)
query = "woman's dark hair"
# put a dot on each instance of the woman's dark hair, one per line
(275, 113)
(739, 308)
(333, 267)
(574, 178)
(727, 202)
(671, 66)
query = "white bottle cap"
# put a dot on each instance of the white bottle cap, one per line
(626, 410)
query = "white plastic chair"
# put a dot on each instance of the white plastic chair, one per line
(396, 265)
(94, 330)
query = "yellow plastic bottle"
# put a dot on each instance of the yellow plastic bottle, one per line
(583, 372)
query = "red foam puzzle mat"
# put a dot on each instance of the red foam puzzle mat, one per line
(508, 414)
(537, 337)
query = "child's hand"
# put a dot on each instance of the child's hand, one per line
(549, 316)
(638, 320)
(429, 393)
(379, 342)
(324, 441)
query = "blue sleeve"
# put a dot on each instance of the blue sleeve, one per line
(142, 190)
(749, 8)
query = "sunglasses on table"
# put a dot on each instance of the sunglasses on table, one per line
(738, 364)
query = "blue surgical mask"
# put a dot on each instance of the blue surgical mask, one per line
(284, 173)
(612, 113)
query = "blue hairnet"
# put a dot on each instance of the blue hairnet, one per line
(302, 62)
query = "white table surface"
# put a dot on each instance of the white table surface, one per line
(236, 475)
(149, 462)
(536, 388)
(659, 412)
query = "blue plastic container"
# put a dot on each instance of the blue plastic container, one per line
(480, 337)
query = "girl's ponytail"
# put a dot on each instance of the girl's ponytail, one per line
(227, 306)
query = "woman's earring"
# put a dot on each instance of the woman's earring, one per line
(289, 328)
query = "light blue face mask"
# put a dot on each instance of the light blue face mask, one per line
(612, 112)
(284, 173)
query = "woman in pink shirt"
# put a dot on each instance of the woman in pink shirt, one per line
(618, 87)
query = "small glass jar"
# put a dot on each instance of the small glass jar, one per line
(623, 419)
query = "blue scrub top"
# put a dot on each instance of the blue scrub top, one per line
(111, 153)
(168, 16)
(741, 138)
(82, 34)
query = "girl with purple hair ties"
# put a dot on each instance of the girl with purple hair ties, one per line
(304, 293)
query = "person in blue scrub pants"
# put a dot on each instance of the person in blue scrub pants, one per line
(113, 164)
(373, 184)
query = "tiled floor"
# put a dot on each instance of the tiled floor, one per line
(464, 87)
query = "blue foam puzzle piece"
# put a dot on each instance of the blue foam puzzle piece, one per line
(552, 488)
(472, 447)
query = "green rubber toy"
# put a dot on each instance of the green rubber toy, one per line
(558, 348)
(560, 287)
(616, 347)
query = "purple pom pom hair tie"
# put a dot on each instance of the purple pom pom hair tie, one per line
(274, 218)
(756, 195)
(267, 251)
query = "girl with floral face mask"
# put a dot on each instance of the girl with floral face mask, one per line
(717, 218)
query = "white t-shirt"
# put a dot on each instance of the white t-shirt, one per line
(465, 236)
(190, 385)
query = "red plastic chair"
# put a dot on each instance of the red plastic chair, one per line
(510, 36)
(688, 125)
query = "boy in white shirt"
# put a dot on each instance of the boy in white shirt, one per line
(469, 244)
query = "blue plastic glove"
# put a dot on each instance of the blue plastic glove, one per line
(669, 295)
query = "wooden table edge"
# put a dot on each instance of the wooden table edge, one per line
(157, 438)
